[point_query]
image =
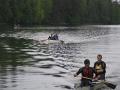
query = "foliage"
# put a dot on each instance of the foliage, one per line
(59, 12)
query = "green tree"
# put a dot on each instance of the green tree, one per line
(6, 14)
(116, 13)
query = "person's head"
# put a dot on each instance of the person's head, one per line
(52, 34)
(99, 57)
(87, 62)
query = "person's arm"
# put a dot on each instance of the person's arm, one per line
(94, 65)
(78, 72)
(95, 77)
(94, 70)
(104, 67)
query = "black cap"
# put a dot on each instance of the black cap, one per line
(87, 61)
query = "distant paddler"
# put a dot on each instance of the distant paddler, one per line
(53, 37)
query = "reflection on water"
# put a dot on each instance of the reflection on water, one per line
(25, 64)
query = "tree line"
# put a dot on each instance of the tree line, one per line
(59, 12)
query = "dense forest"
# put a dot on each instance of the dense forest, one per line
(59, 12)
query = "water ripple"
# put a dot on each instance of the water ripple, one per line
(25, 64)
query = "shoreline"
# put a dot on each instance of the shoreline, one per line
(61, 27)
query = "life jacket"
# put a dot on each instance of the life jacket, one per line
(87, 72)
(100, 66)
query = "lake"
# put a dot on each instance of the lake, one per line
(26, 64)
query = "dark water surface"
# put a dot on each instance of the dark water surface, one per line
(25, 64)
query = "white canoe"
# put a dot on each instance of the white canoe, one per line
(97, 86)
(51, 41)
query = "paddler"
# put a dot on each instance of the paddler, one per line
(87, 73)
(100, 67)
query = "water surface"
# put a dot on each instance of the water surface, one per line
(26, 64)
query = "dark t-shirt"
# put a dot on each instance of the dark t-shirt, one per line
(100, 65)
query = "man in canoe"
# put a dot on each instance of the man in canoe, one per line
(50, 37)
(100, 67)
(53, 37)
(87, 74)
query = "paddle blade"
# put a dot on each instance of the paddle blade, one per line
(110, 85)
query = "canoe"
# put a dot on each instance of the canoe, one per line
(96, 86)
(51, 41)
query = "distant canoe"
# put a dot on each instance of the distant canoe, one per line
(51, 41)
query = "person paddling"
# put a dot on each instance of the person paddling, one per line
(56, 36)
(53, 37)
(100, 67)
(87, 72)
(50, 37)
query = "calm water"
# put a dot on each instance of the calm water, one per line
(25, 64)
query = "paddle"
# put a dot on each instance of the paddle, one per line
(113, 86)
(110, 85)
